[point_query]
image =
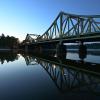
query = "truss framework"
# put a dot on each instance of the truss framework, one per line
(68, 26)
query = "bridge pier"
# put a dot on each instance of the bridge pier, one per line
(50, 49)
(26, 48)
(61, 50)
(82, 51)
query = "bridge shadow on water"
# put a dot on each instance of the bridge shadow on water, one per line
(68, 75)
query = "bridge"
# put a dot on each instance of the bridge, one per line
(66, 28)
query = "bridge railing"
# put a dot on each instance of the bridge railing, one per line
(69, 25)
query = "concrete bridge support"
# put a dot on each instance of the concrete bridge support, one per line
(26, 48)
(50, 49)
(82, 51)
(61, 50)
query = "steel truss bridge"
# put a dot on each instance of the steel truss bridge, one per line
(70, 27)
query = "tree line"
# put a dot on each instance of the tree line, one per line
(8, 41)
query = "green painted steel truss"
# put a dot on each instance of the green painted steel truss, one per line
(69, 25)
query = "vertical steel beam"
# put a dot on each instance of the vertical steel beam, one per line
(81, 25)
(68, 26)
(61, 25)
(55, 30)
(90, 25)
(78, 27)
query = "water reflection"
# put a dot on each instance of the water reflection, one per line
(95, 52)
(8, 56)
(66, 74)
(68, 80)
(65, 78)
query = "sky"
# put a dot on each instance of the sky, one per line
(19, 17)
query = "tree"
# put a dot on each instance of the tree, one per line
(8, 41)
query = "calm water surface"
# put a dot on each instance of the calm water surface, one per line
(29, 78)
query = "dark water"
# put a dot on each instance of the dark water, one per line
(27, 77)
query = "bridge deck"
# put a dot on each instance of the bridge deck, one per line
(85, 38)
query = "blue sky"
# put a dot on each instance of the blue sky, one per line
(19, 17)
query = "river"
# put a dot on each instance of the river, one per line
(27, 77)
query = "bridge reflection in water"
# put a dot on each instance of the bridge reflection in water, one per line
(65, 78)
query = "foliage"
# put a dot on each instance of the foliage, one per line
(8, 41)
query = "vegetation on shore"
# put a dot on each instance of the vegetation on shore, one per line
(8, 42)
